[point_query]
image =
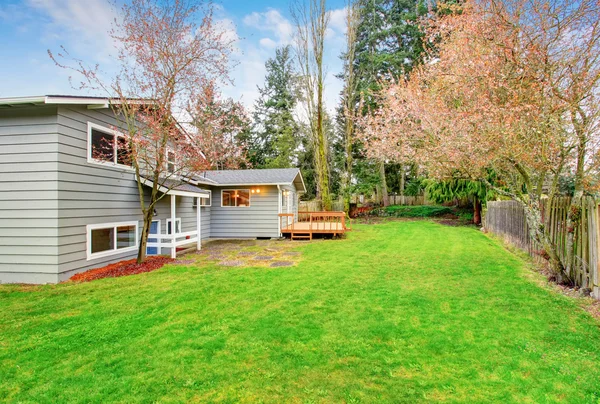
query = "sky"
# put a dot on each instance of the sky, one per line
(30, 28)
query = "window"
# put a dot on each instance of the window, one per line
(284, 198)
(204, 201)
(235, 197)
(171, 161)
(177, 225)
(107, 146)
(111, 238)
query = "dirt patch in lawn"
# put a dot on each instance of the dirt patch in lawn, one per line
(123, 268)
(248, 253)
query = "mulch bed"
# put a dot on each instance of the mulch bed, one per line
(123, 268)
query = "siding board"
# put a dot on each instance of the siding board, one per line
(28, 150)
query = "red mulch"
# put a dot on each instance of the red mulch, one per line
(123, 268)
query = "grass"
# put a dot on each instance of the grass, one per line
(419, 211)
(397, 312)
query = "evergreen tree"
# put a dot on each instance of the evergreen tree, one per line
(388, 46)
(274, 141)
(389, 41)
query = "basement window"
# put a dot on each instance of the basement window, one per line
(111, 238)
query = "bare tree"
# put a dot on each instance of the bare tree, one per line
(349, 95)
(311, 19)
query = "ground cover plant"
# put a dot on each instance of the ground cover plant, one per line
(404, 311)
(412, 211)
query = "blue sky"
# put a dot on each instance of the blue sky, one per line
(31, 27)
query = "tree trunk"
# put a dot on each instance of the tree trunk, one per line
(144, 237)
(384, 191)
(402, 184)
(533, 215)
(348, 174)
(476, 211)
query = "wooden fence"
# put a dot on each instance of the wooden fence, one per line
(317, 206)
(507, 218)
(338, 206)
(409, 200)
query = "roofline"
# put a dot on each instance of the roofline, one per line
(252, 183)
(91, 102)
(170, 191)
(301, 179)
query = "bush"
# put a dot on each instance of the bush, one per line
(412, 211)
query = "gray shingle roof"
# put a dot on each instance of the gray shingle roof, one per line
(176, 185)
(252, 177)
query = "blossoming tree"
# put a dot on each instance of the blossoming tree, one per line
(169, 53)
(509, 87)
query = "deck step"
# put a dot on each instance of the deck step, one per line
(301, 236)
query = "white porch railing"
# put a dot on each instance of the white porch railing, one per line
(171, 241)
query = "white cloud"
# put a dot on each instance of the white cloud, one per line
(88, 21)
(274, 22)
(337, 20)
(268, 43)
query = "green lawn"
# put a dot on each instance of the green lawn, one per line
(398, 312)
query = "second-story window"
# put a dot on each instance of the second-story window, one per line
(107, 146)
(171, 166)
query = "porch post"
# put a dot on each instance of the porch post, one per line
(173, 226)
(199, 224)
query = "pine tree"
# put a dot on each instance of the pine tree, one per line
(388, 46)
(274, 140)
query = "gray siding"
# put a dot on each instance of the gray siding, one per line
(258, 220)
(50, 193)
(29, 195)
(88, 193)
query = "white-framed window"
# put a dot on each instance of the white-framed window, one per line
(285, 194)
(108, 147)
(204, 202)
(177, 225)
(235, 198)
(111, 238)
(171, 161)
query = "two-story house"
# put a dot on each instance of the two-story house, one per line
(63, 210)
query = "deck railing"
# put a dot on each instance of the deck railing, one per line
(318, 222)
(171, 241)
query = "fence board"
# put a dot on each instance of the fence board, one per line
(507, 218)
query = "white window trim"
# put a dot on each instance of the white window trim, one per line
(177, 220)
(170, 150)
(195, 205)
(239, 189)
(88, 236)
(90, 159)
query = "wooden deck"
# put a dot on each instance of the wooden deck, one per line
(306, 224)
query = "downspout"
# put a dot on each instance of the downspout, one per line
(278, 210)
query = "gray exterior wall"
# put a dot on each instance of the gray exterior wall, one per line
(88, 193)
(257, 220)
(50, 192)
(28, 195)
